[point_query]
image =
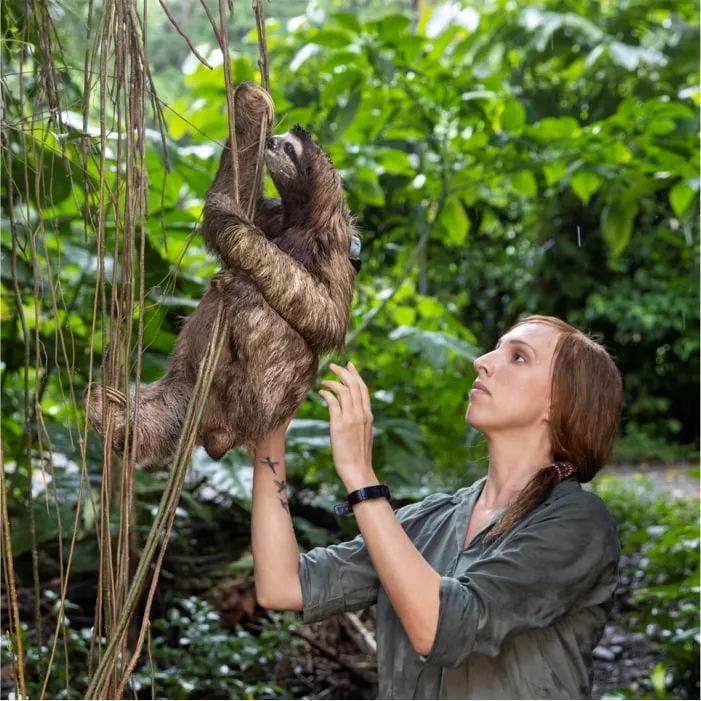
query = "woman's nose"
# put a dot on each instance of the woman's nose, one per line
(482, 364)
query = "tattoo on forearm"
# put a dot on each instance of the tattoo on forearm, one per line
(281, 486)
(270, 463)
(284, 505)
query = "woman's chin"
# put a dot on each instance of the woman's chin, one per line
(471, 418)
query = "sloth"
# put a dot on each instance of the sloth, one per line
(286, 283)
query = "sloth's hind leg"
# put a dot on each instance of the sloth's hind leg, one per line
(95, 397)
(155, 428)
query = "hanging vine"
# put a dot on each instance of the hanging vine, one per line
(116, 68)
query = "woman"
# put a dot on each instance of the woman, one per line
(499, 591)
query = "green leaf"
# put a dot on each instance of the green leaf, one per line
(404, 316)
(430, 308)
(24, 270)
(345, 115)
(340, 84)
(658, 680)
(524, 182)
(392, 27)
(617, 221)
(454, 221)
(680, 197)
(514, 116)
(554, 172)
(396, 162)
(557, 128)
(442, 41)
(436, 346)
(367, 187)
(348, 20)
(585, 184)
(332, 38)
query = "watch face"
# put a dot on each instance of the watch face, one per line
(342, 509)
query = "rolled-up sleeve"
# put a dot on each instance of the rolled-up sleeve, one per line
(342, 578)
(541, 573)
(335, 579)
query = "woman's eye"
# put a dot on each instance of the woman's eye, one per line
(519, 358)
(289, 150)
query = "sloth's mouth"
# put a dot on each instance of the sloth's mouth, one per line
(278, 165)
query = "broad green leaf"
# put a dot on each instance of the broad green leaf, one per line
(680, 197)
(430, 308)
(367, 187)
(332, 38)
(24, 270)
(556, 128)
(346, 114)
(392, 27)
(45, 525)
(514, 116)
(617, 220)
(554, 172)
(524, 182)
(437, 347)
(7, 307)
(396, 162)
(658, 680)
(348, 20)
(585, 184)
(408, 132)
(442, 41)
(404, 316)
(454, 221)
(340, 84)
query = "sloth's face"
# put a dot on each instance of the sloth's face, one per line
(303, 174)
(288, 159)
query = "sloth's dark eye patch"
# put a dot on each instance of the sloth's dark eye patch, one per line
(290, 151)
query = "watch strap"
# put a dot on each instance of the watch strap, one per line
(376, 491)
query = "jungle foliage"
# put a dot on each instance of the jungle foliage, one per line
(501, 159)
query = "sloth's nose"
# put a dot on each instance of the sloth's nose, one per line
(272, 143)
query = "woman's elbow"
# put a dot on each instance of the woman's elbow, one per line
(422, 644)
(281, 600)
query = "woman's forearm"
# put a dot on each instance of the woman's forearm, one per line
(275, 550)
(410, 582)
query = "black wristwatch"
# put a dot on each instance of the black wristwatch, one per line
(377, 491)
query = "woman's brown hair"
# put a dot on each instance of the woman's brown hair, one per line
(585, 410)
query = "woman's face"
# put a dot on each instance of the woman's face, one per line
(513, 385)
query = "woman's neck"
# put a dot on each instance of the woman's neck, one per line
(513, 460)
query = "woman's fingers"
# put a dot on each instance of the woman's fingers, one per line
(342, 394)
(331, 402)
(363, 391)
(353, 382)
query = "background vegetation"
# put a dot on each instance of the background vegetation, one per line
(501, 158)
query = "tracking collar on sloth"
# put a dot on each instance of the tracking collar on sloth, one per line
(354, 253)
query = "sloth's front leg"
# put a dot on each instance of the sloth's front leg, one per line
(254, 112)
(307, 305)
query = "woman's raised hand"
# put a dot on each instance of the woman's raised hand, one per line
(351, 426)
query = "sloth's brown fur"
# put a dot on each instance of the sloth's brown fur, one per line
(287, 285)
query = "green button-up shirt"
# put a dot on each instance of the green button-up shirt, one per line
(518, 617)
